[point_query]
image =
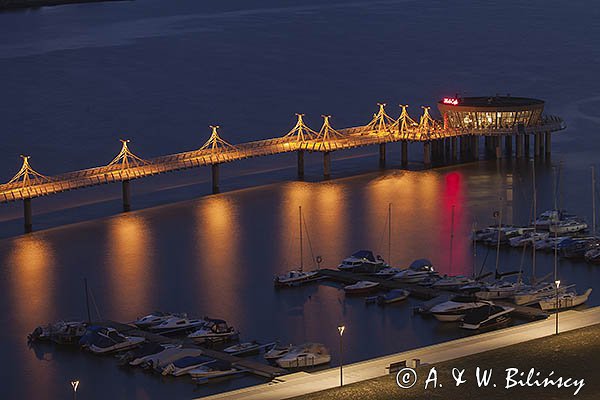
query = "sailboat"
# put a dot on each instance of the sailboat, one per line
(564, 300)
(296, 276)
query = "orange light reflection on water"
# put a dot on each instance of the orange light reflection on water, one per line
(130, 265)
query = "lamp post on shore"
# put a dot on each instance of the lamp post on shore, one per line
(74, 385)
(557, 283)
(341, 330)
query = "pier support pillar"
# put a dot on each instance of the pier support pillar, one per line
(498, 147)
(463, 148)
(508, 145)
(454, 149)
(382, 155)
(427, 154)
(326, 165)
(404, 153)
(548, 143)
(536, 145)
(519, 141)
(300, 165)
(126, 196)
(27, 220)
(526, 146)
(215, 178)
(475, 147)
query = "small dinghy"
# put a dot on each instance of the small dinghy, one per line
(565, 300)
(361, 287)
(392, 296)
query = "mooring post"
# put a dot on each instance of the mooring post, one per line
(215, 178)
(548, 146)
(404, 153)
(526, 145)
(382, 155)
(508, 145)
(326, 165)
(536, 145)
(427, 154)
(300, 165)
(126, 196)
(27, 221)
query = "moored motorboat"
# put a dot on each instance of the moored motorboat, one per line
(307, 355)
(593, 255)
(417, 271)
(362, 261)
(214, 329)
(107, 340)
(486, 316)
(527, 238)
(551, 217)
(185, 364)
(277, 351)
(295, 277)
(160, 360)
(155, 318)
(177, 324)
(455, 309)
(61, 332)
(569, 226)
(564, 300)
(392, 296)
(214, 370)
(535, 293)
(242, 349)
(361, 287)
(387, 272)
(498, 290)
(577, 247)
(451, 282)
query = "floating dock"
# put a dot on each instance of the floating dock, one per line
(248, 365)
(433, 296)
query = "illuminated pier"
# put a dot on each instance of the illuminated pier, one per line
(440, 141)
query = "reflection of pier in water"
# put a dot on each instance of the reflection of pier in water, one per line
(441, 144)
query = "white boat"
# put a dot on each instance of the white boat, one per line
(387, 272)
(152, 319)
(185, 364)
(176, 324)
(565, 300)
(498, 290)
(361, 287)
(296, 276)
(214, 329)
(486, 316)
(455, 309)
(61, 332)
(362, 261)
(418, 271)
(551, 217)
(452, 282)
(593, 255)
(307, 355)
(277, 351)
(243, 348)
(568, 226)
(109, 340)
(212, 371)
(535, 293)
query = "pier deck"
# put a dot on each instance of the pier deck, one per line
(251, 366)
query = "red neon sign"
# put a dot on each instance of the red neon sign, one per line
(450, 100)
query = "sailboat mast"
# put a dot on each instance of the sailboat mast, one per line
(301, 244)
(534, 224)
(555, 233)
(474, 247)
(498, 244)
(390, 233)
(593, 200)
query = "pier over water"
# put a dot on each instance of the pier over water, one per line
(440, 142)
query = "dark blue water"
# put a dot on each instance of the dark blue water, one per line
(77, 78)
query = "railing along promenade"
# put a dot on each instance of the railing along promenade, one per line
(382, 129)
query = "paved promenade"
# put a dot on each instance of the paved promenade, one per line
(302, 383)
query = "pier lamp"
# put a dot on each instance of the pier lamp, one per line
(75, 385)
(341, 330)
(557, 283)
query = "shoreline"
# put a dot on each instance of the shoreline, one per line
(9, 5)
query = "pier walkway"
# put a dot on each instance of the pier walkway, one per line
(302, 383)
(439, 142)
